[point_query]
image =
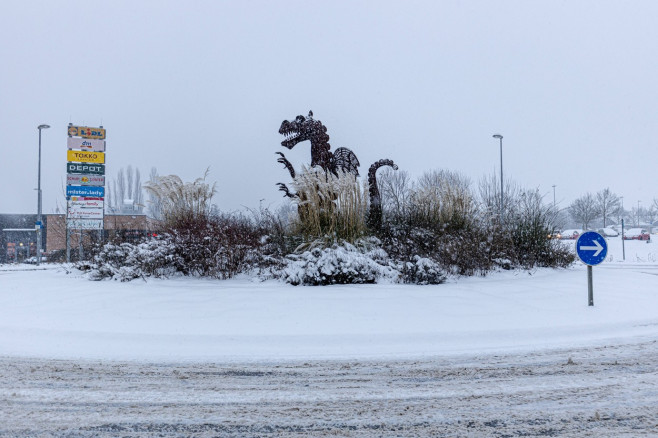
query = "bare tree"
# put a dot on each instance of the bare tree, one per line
(636, 215)
(154, 204)
(395, 188)
(126, 186)
(489, 193)
(584, 210)
(607, 204)
(651, 215)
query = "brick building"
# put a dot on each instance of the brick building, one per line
(18, 238)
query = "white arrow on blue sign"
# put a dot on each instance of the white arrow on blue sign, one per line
(592, 248)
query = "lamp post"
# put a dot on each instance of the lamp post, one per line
(638, 213)
(553, 196)
(39, 225)
(500, 138)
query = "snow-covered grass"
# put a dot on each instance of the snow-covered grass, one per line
(54, 314)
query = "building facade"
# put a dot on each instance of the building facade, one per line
(19, 239)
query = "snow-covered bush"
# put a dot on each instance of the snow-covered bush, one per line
(422, 270)
(219, 246)
(207, 242)
(127, 261)
(341, 263)
(464, 252)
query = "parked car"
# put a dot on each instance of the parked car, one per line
(637, 234)
(33, 260)
(557, 234)
(571, 234)
(607, 232)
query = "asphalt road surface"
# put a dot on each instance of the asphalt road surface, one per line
(603, 391)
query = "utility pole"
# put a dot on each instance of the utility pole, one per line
(39, 224)
(500, 138)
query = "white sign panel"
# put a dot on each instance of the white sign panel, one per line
(85, 180)
(86, 144)
(85, 224)
(85, 213)
(87, 203)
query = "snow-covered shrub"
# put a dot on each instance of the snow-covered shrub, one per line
(465, 252)
(127, 261)
(341, 263)
(208, 243)
(530, 224)
(218, 245)
(422, 270)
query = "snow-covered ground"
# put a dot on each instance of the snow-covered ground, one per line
(513, 354)
(54, 314)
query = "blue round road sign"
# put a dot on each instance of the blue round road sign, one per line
(592, 248)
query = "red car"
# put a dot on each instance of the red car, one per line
(637, 234)
(571, 234)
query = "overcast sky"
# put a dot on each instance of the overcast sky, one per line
(185, 85)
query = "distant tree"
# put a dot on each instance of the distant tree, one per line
(489, 196)
(127, 186)
(395, 188)
(636, 215)
(153, 203)
(584, 210)
(651, 215)
(607, 204)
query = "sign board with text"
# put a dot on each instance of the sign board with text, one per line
(79, 201)
(84, 213)
(86, 132)
(86, 144)
(85, 191)
(92, 169)
(85, 180)
(85, 156)
(85, 224)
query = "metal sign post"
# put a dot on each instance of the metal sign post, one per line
(592, 249)
(623, 244)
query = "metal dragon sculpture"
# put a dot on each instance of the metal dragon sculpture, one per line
(343, 159)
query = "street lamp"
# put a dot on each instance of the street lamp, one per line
(39, 225)
(500, 137)
(553, 196)
(638, 213)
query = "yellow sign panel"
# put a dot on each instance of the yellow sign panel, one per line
(86, 132)
(85, 156)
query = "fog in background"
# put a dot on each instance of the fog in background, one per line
(182, 86)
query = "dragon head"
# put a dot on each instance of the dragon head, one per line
(302, 129)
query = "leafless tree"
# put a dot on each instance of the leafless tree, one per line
(395, 188)
(153, 203)
(489, 193)
(607, 204)
(651, 215)
(636, 215)
(126, 186)
(584, 210)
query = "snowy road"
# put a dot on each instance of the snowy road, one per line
(607, 391)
